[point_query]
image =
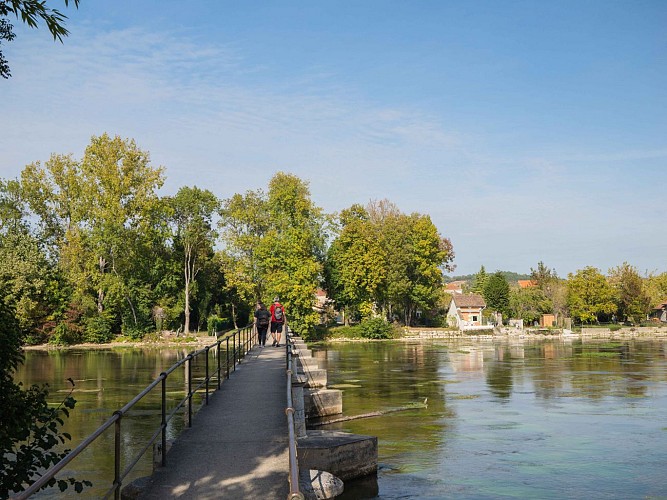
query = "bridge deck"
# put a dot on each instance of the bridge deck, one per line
(237, 446)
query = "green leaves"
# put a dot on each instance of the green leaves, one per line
(589, 295)
(386, 258)
(30, 428)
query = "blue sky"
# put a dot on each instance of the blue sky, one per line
(528, 131)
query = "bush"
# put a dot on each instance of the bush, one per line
(215, 324)
(98, 329)
(375, 328)
(64, 334)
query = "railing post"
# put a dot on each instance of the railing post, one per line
(116, 458)
(218, 356)
(164, 419)
(234, 342)
(207, 374)
(227, 355)
(188, 379)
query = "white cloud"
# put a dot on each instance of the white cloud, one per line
(216, 120)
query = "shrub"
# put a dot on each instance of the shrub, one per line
(375, 328)
(98, 329)
(64, 334)
(215, 324)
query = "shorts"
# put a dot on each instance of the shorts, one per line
(276, 327)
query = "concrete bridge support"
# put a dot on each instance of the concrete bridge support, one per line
(345, 455)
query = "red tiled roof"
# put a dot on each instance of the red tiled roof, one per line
(470, 300)
(527, 283)
(454, 285)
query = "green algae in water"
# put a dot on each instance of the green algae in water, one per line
(464, 396)
(597, 354)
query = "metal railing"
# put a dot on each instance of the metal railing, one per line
(241, 343)
(294, 493)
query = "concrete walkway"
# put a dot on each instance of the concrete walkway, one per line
(237, 446)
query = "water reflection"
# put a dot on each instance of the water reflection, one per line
(106, 380)
(529, 419)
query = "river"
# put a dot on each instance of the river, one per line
(544, 419)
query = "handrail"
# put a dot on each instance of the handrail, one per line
(294, 493)
(245, 340)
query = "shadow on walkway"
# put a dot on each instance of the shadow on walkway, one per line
(237, 446)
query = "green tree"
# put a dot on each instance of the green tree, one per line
(553, 288)
(355, 264)
(100, 216)
(632, 302)
(291, 253)
(589, 295)
(193, 211)
(415, 253)
(479, 281)
(655, 286)
(497, 293)
(528, 304)
(245, 220)
(31, 12)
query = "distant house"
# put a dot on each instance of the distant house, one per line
(454, 287)
(321, 304)
(466, 310)
(527, 283)
(659, 312)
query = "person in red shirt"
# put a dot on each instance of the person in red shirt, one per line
(277, 320)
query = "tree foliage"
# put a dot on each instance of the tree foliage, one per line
(292, 250)
(632, 301)
(29, 428)
(386, 262)
(30, 12)
(193, 210)
(496, 293)
(589, 295)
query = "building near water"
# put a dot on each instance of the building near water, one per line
(465, 310)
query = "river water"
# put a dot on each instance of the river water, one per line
(530, 419)
(538, 420)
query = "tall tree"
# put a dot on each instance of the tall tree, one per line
(589, 295)
(415, 257)
(497, 293)
(30, 12)
(355, 264)
(97, 213)
(528, 304)
(193, 210)
(479, 281)
(245, 220)
(655, 286)
(291, 253)
(632, 301)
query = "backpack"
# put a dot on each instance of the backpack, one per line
(278, 313)
(263, 319)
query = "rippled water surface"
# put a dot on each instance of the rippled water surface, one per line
(106, 380)
(532, 419)
(539, 419)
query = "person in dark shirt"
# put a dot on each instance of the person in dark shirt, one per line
(262, 322)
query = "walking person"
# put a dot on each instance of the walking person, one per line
(277, 320)
(262, 321)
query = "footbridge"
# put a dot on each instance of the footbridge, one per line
(249, 438)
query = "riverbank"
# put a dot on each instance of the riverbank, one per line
(203, 339)
(166, 339)
(650, 332)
